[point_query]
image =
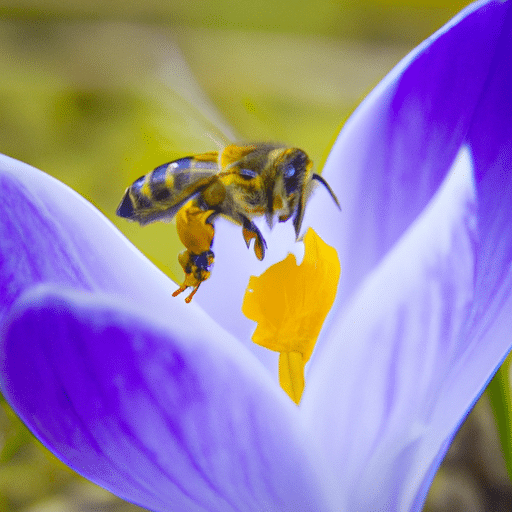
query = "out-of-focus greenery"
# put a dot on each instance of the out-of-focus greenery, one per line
(500, 397)
(99, 93)
(377, 20)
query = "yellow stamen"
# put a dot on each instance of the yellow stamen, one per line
(290, 303)
(291, 374)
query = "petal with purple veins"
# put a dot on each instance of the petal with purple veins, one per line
(170, 417)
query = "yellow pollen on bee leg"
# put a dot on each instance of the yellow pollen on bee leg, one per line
(195, 233)
(290, 302)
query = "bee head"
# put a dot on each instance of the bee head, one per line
(297, 177)
(286, 197)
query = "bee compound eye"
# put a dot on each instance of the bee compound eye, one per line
(289, 171)
(291, 179)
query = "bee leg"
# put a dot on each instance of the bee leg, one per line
(181, 289)
(250, 231)
(192, 293)
(197, 268)
(187, 261)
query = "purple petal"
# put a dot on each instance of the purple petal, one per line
(50, 234)
(430, 322)
(172, 417)
(395, 151)
(391, 353)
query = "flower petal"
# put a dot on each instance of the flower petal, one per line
(394, 152)
(48, 233)
(391, 353)
(169, 417)
(413, 348)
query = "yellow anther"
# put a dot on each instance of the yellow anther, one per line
(291, 374)
(290, 302)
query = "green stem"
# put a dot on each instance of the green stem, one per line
(500, 396)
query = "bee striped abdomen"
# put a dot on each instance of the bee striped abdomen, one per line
(157, 180)
(160, 193)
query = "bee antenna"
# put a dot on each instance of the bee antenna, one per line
(319, 178)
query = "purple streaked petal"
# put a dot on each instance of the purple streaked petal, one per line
(392, 352)
(430, 319)
(395, 151)
(51, 234)
(169, 416)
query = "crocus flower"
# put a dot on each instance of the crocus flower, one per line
(171, 406)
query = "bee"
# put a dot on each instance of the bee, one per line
(240, 182)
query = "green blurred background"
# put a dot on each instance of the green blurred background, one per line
(99, 93)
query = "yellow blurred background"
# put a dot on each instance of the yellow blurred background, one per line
(98, 93)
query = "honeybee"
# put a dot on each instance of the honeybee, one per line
(240, 182)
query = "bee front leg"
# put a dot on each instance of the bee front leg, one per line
(250, 231)
(182, 288)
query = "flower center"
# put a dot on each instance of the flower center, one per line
(290, 302)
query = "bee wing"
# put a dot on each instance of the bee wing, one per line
(203, 115)
(161, 193)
